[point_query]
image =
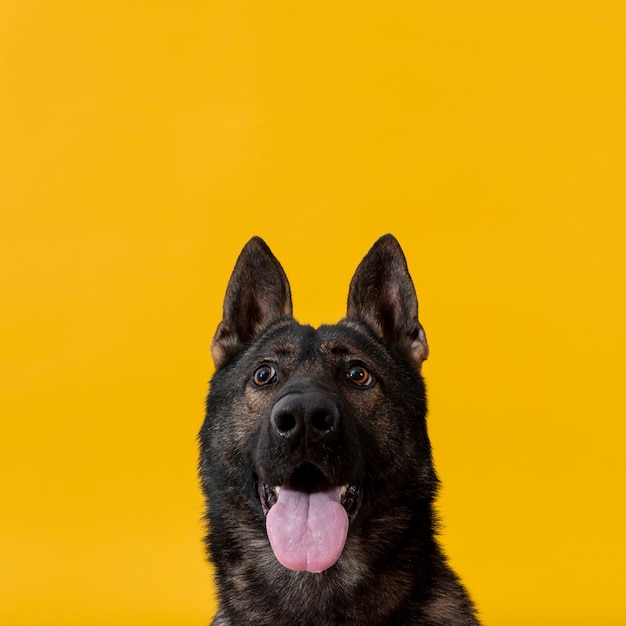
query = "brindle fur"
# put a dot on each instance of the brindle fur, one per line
(392, 570)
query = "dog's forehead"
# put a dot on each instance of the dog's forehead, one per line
(297, 341)
(347, 338)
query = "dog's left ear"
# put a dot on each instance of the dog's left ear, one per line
(383, 296)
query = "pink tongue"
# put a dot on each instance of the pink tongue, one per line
(307, 531)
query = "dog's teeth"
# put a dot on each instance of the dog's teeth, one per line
(344, 490)
(276, 490)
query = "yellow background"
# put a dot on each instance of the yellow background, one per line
(143, 142)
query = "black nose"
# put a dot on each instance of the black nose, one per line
(311, 417)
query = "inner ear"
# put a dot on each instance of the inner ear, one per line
(383, 296)
(258, 294)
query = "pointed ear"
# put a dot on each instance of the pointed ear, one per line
(383, 296)
(257, 294)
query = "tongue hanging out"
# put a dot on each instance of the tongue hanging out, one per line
(307, 531)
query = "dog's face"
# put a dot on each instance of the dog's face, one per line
(313, 436)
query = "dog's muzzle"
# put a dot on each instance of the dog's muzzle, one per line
(309, 511)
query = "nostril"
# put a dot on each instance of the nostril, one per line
(284, 423)
(323, 421)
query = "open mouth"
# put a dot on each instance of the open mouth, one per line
(307, 518)
(309, 479)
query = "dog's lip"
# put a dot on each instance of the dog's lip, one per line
(268, 495)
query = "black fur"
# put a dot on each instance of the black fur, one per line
(368, 434)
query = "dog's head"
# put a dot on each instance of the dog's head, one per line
(312, 435)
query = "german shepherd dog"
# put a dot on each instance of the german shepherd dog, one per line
(315, 459)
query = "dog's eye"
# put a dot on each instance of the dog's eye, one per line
(359, 375)
(264, 374)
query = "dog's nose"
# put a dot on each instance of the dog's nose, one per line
(310, 416)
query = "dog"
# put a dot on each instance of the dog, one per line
(315, 459)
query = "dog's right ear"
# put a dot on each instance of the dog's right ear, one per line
(258, 294)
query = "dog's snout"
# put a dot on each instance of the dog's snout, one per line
(309, 416)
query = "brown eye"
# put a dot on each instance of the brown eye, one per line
(359, 375)
(264, 374)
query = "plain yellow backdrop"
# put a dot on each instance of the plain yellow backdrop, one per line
(143, 142)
